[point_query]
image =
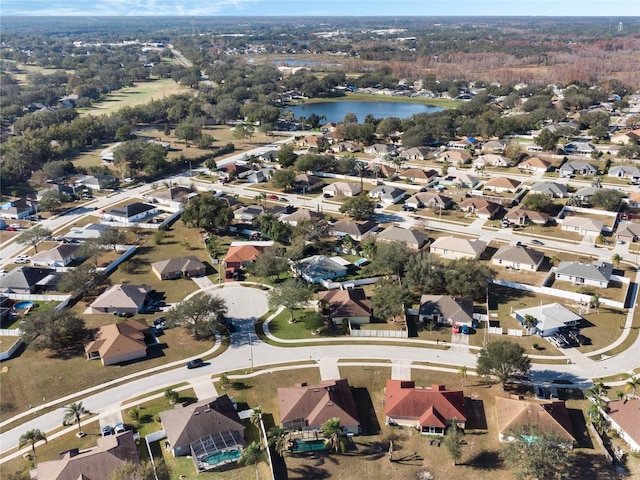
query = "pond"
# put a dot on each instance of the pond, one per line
(335, 111)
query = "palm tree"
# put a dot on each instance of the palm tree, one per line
(277, 436)
(463, 373)
(529, 322)
(256, 418)
(73, 412)
(553, 260)
(595, 302)
(619, 394)
(261, 197)
(251, 456)
(32, 437)
(331, 430)
(596, 391)
(615, 258)
(633, 382)
(360, 168)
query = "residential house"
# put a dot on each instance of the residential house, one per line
(628, 232)
(28, 280)
(622, 416)
(446, 309)
(237, 170)
(328, 127)
(131, 213)
(598, 274)
(550, 318)
(348, 147)
(241, 254)
(417, 175)
(121, 298)
(97, 182)
(312, 141)
(454, 157)
(411, 238)
(318, 268)
(550, 189)
(518, 257)
(480, 207)
(584, 194)
(634, 200)
(494, 146)
(502, 185)
(388, 194)
(307, 183)
(429, 200)
(579, 148)
(249, 213)
(304, 408)
(492, 160)
(535, 165)
(569, 169)
(455, 248)
(98, 463)
(626, 137)
(268, 156)
(548, 416)
(350, 305)
(460, 179)
(209, 431)
(521, 215)
(625, 171)
(177, 195)
(119, 342)
(430, 410)
(260, 176)
(342, 189)
(65, 192)
(17, 209)
(582, 225)
(87, 232)
(417, 153)
(381, 170)
(380, 149)
(188, 266)
(463, 144)
(303, 215)
(356, 230)
(59, 256)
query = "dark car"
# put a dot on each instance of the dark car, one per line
(536, 242)
(195, 363)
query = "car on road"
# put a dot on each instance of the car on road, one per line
(4, 272)
(107, 430)
(119, 428)
(536, 242)
(11, 229)
(16, 226)
(272, 197)
(620, 242)
(195, 363)
(22, 259)
(283, 199)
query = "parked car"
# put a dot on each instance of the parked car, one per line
(408, 208)
(3, 272)
(16, 226)
(272, 197)
(327, 195)
(195, 363)
(160, 323)
(536, 242)
(11, 229)
(107, 430)
(119, 428)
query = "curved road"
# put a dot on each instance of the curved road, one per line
(246, 350)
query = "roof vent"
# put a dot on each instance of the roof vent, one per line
(316, 390)
(197, 412)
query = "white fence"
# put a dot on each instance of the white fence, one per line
(496, 330)
(5, 332)
(7, 354)
(113, 265)
(514, 332)
(36, 297)
(380, 333)
(328, 284)
(155, 436)
(555, 292)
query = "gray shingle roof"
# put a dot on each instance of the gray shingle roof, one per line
(599, 271)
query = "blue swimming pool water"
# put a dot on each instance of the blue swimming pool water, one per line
(23, 305)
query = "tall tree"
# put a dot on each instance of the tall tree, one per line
(286, 156)
(453, 443)
(277, 436)
(272, 262)
(389, 300)
(633, 382)
(391, 257)
(208, 212)
(332, 429)
(73, 412)
(425, 273)
(466, 277)
(291, 294)
(547, 140)
(504, 360)
(251, 456)
(201, 313)
(61, 331)
(536, 454)
(283, 178)
(358, 207)
(31, 437)
(34, 236)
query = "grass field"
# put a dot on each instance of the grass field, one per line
(138, 94)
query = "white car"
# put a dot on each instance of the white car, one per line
(19, 260)
(15, 225)
(4, 272)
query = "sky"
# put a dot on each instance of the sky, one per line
(601, 8)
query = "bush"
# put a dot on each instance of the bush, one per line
(313, 321)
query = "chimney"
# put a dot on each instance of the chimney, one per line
(438, 388)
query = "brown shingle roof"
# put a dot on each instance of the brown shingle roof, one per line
(626, 414)
(503, 182)
(318, 403)
(347, 303)
(547, 415)
(433, 407)
(242, 253)
(118, 339)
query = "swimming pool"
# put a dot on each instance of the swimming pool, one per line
(223, 457)
(300, 446)
(23, 305)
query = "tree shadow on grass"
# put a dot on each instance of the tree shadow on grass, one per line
(308, 472)
(584, 465)
(485, 460)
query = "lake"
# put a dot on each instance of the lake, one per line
(335, 111)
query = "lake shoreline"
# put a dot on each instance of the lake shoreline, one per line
(365, 97)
